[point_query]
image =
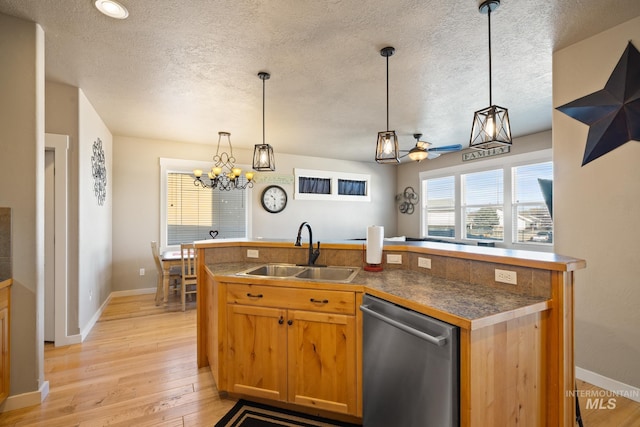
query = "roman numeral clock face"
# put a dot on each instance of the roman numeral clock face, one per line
(274, 199)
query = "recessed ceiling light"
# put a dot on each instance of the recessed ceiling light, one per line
(112, 9)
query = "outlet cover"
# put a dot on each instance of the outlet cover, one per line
(424, 262)
(394, 259)
(253, 253)
(142, 271)
(506, 276)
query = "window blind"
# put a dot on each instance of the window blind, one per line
(532, 220)
(483, 205)
(193, 211)
(440, 200)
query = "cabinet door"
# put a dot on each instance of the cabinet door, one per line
(257, 351)
(322, 360)
(4, 353)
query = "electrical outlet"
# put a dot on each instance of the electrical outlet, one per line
(253, 253)
(506, 276)
(394, 259)
(424, 262)
(142, 271)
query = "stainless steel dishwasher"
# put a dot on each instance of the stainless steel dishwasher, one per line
(410, 368)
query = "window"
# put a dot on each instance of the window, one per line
(440, 203)
(189, 212)
(330, 185)
(506, 200)
(531, 215)
(483, 205)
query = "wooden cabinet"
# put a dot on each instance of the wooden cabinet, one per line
(5, 348)
(293, 345)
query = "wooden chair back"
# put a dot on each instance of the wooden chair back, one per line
(189, 271)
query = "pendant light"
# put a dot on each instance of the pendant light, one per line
(387, 145)
(490, 125)
(263, 159)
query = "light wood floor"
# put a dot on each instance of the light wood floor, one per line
(138, 368)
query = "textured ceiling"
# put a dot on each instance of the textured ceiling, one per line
(184, 70)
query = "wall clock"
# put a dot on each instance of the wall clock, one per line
(274, 199)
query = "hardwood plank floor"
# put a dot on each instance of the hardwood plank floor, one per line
(138, 368)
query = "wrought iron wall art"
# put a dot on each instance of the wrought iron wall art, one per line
(99, 171)
(612, 113)
(407, 200)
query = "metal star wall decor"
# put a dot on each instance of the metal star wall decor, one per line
(613, 113)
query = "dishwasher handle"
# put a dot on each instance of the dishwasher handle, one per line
(439, 341)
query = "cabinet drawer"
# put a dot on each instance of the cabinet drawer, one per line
(292, 298)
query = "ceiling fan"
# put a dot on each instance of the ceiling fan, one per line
(423, 150)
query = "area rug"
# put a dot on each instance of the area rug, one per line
(250, 414)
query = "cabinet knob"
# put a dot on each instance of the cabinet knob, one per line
(281, 320)
(250, 295)
(319, 301)
(289, 322)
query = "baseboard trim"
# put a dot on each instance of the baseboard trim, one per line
(133, 292)
(24, 400)
(617, 387)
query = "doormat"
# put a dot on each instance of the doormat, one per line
(250, 414)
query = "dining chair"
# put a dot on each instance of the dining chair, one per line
(189, 274)
(175, 273)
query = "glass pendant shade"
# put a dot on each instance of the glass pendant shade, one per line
(491, 128)
(418, 154)
(263, 159)
(387, 147)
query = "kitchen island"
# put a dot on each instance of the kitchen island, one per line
(516, 341)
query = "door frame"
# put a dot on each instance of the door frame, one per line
(60, 145)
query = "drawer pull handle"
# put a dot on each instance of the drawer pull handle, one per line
(250, 295)
(289, 322)
(319, 301)
(281, 320)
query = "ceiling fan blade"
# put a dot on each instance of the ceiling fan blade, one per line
(445, 148)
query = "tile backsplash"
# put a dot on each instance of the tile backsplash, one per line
(5, 243)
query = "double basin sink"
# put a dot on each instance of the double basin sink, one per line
(303, 272)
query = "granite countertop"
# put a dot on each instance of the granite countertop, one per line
(466, 305)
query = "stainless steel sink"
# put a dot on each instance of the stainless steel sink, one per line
(331, 274)
(274, 270)
(298, 272)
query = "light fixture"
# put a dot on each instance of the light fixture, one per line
(263, 159)
(224, 174)
(490, 125)
(419, 152)
(387, 145)
(112, 9)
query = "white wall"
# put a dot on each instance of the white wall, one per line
(137, 203)
(22, 189)
(94, 221)
(597, 209)
(409, 173)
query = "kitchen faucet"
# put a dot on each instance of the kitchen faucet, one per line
(313, 254)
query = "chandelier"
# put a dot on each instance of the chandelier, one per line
(224, 175)
(387, 145)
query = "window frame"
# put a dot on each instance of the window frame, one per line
(168, 165)
(506, 163)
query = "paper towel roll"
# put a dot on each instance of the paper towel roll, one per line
(375, 236)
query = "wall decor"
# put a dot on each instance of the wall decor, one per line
(407, 200)
(99, 171)
(489, 152)
(612, 113)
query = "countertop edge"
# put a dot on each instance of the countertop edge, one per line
(6, 283)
